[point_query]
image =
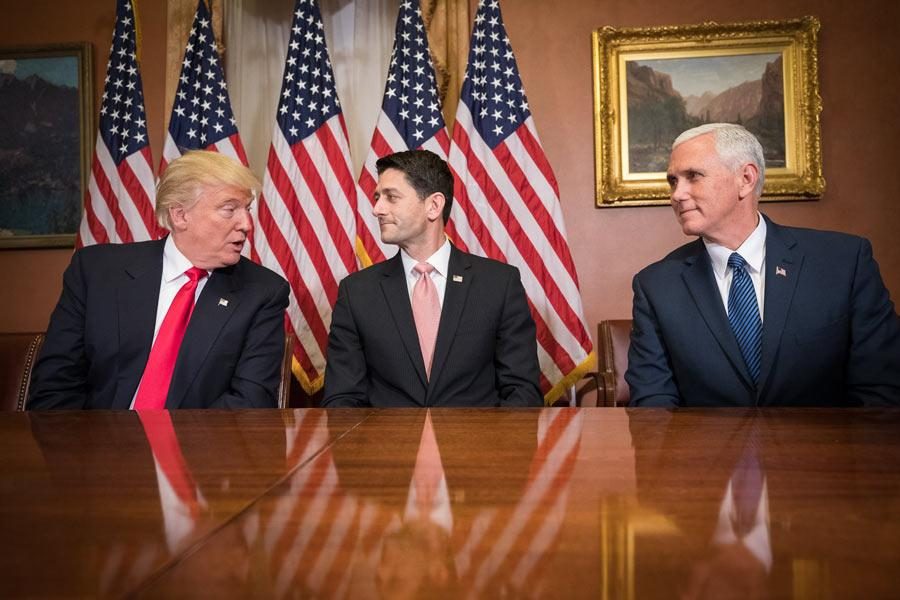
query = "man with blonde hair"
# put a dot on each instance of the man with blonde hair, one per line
(181, 322)
(754, 313)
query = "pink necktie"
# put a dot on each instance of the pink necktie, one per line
(428, 471)
(426, 307)
(154, 386)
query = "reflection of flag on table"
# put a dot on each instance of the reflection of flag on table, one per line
(410, 119)
(507, 200)
(315, 525)
(511, 549)
(307, 212)
(121, 194)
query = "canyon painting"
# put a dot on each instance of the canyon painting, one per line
(668, 96)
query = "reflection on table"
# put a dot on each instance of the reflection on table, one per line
(607, 503)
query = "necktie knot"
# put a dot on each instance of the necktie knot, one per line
(423, 268)
(736, 261)
(195, 274)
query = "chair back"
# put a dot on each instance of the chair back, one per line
(614, 339)
(284, 386)
(18, 351)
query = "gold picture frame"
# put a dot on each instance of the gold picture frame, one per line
(641, 76)
(46, 95)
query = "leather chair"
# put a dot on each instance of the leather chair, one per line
(18, 351)
(284, 386)
(613, 339)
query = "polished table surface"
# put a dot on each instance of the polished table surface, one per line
(599, 503)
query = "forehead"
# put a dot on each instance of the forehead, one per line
(393, 179)
(695, 152)
(220, 194)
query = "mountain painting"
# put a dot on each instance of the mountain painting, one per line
(40, 146)
(668, 96)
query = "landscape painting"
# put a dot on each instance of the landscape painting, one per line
(652, 83)
(668, 96)
(44, 98)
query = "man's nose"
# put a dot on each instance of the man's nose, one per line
(245, 222)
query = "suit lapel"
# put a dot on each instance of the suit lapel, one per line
(459, 281)
(137, 304)
(219, 300)
(701, 284)
(396, 293)
(783, 264)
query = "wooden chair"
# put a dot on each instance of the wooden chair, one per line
(18, 351)
(613, 339)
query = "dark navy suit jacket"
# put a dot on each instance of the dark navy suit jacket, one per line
(485, 353)
(831, 336)
(101, 332)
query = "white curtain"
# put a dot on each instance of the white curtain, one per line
(360, 34)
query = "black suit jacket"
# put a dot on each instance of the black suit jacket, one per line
(831, 336)
(101, 332)
(486, 349)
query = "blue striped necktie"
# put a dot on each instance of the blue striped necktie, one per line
(743, 314)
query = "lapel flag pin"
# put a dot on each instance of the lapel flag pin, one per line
(223, 302)
(457, 278)
(780, 271)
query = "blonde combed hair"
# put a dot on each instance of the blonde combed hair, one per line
(187, 177)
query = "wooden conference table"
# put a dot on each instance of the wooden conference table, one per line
(598, 503)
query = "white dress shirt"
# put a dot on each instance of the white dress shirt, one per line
(440, 260)
(753, 250)
(173, 278)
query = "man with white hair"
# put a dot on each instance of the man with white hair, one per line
(181, 322)
(753, 313)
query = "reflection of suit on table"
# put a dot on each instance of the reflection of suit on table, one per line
(748, 504)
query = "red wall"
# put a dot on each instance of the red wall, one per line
(859, 58)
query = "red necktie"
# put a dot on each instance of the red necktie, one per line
(426, 307)
(154, 386)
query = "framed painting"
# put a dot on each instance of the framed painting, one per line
(45, 114)
(650, 84)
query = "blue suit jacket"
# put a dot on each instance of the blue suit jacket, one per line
(831, 336)
(485, 353)
(101, 332)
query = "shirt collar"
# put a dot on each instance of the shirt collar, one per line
(174, 262)
(440, 260)
(753, 251)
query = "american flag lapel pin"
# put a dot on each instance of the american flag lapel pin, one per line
(223, 302)
(457, 278)
(779, 270)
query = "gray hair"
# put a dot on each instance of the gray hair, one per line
(736, 147)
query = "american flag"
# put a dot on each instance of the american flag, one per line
(410, 118)
(307, 212)
(121, 194)
(201, 114)
(507, 201)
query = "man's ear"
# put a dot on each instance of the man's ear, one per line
(178, 217)
(749, 175)
(434, 206)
